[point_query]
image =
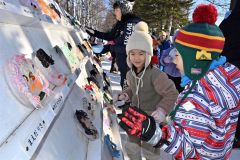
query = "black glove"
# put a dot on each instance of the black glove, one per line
(136, 122)
(90, 31)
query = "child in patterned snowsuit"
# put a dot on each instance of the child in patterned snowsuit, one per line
(203, 122)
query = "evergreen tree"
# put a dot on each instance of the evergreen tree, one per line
(162, 14)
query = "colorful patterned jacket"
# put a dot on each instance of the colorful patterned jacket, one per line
(205, 124)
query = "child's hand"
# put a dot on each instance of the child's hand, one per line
(159, 115)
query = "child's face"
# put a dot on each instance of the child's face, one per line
(137, 58)
(179, 62)
(118, 13)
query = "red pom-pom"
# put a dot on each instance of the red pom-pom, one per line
(205, 14)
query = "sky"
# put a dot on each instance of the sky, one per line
(221, 11)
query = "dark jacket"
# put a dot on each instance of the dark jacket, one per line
(165, 45)
(231, 31)
(120, 34)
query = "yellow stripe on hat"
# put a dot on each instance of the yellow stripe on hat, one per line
(203, 55)
(199, 47)
(203, 35)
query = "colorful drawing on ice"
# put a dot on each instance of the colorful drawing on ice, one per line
(26, 82)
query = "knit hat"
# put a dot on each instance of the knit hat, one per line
(126, 6)
(140, 39)
(200, 42)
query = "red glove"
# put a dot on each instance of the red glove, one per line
(136, 122)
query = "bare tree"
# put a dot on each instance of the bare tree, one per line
(89, 12)
(220, 3)
(223, 6)
(110, 20)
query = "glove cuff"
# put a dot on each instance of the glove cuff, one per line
(156, 136)
(149, 128)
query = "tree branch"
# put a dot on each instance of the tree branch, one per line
(224, 5)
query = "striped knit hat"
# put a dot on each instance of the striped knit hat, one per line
(200, 42)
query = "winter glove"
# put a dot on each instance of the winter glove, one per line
(136, 122)
(159, 115)
(90, 31)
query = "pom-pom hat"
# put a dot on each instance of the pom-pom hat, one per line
(200, 42)
(140, 39)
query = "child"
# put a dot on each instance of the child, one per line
(148, 87)
(203, 123)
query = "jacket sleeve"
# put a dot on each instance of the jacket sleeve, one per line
(178, 142)
(165, 88)
(106, 35)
